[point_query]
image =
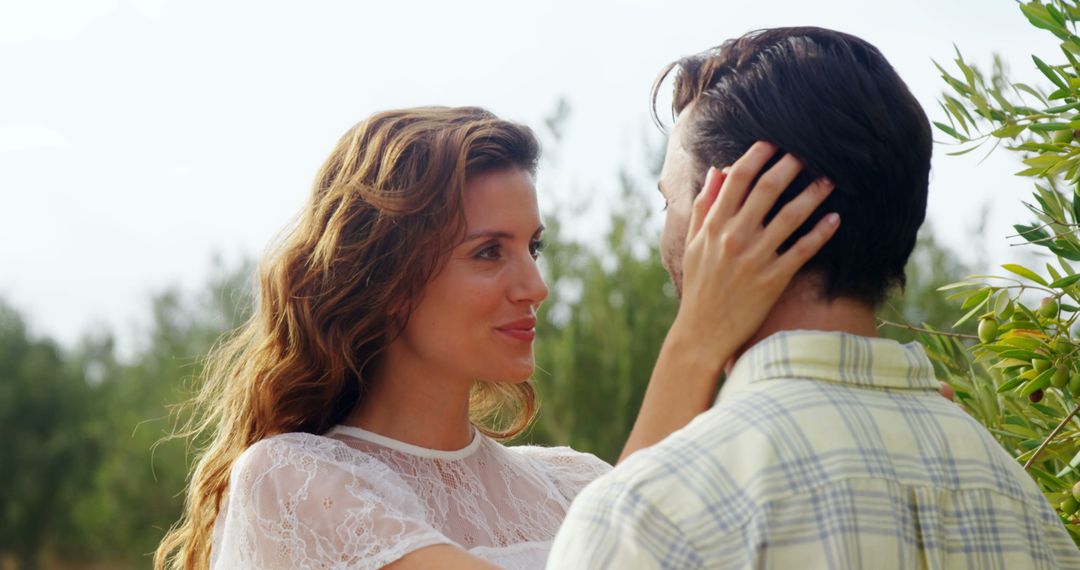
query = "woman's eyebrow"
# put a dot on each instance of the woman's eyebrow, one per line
(497, 234)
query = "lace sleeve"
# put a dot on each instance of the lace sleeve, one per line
(304, 501)
(570, 470)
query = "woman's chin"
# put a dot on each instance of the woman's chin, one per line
(514, 374)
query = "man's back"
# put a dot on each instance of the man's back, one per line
(824, 450)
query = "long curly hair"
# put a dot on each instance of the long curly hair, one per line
(385, 210)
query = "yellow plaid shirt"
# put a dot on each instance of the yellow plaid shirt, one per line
(824, 450)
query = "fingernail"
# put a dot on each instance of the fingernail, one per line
(709, 175)
(832, 219)
(726, 170)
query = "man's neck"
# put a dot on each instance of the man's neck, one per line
(801, 307)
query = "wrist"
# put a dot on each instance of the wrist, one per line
(700, 354)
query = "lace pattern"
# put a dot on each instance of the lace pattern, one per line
(355, 500)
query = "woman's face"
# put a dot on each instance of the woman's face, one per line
(476, 319)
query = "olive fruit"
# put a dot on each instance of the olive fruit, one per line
(988, 329)
(1060, 379)
(1061, 345)
(1076, 491)
(1036, 396)
(1048, 308)
(1074, 384)
(1069, 505)
(1040, 364)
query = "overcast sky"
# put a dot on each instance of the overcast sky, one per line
(138, 138)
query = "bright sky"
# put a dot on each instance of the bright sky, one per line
(137, 138)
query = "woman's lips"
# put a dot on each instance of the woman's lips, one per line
(523, 330)
(526, 335)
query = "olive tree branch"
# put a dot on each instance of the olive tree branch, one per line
(883, 322)
(1050, 437)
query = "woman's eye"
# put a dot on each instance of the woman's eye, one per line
(490, 253)
(536, 247)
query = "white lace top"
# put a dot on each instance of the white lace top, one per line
(354, 499)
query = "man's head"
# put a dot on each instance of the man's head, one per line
(834, 102)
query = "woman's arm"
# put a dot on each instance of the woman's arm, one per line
(732, 276)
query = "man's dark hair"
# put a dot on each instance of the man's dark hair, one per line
(834, 102)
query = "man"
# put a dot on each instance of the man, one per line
(827, 447)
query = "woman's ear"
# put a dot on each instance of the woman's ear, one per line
(397, 314)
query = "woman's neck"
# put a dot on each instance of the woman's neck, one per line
(410, 402)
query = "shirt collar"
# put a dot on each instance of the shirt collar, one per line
(833, 357)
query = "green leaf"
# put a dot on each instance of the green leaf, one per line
(958, 285)
(1049, 73)
(959, 107)
(1007, 106)
(1040, 382)
(1020, 354)
(1071, 466)
(963, 295)
(965, 151)
(1007, 363)
(1024, 272)
(1056, 15)
(1076, 207)
(1063, 249)
(1018, 325)
(1053, 273)
(970, 314)
(1008, 131)
(955, 110)
(1062, 108)
(1009, 385)
(977, 299)
(953, 82)
(1030, 314)
(1048, 127)
(1065, 281)
(1001, 302)
(1047, 479)
(1030, 172)
(1030, 91)
(1069, 48)
(1045, 410)
(1045, 160)
(1039, 17)
(950, 131)
(1031, 233)
(1021, 341)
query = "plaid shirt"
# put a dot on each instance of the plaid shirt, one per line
(824, 450)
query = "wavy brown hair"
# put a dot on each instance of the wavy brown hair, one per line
(385, 210)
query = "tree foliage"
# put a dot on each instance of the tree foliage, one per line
(1020, 376)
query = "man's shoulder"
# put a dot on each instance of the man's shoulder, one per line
(707, 463)
(786, 438)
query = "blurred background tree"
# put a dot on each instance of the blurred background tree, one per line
(47, 457)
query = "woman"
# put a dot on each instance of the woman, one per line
(352, 421)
